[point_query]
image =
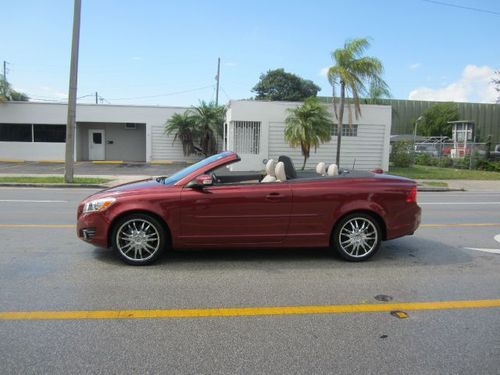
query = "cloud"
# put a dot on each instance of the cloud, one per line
(473, 86)
(324, 71)
(230, 64)
(415, 66)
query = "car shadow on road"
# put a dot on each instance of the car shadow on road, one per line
(404, 252)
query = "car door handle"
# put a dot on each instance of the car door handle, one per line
(274, 196)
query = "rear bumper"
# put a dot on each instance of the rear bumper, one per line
(406, 223)
(93, 228)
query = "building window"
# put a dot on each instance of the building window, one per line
(15, 133)
(49, 133)
(246, 137)
(347, 131)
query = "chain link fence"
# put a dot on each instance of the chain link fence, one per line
(448, 154)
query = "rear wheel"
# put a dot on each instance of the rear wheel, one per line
(139, 239)
(357, 237)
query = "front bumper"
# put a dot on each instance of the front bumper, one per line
(93, 228)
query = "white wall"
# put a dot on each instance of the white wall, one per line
(38, 151)
(369, 150)
(158, 145)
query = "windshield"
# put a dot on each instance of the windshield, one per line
(186, 171)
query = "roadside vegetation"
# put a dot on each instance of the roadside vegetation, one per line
(355, 75)
(308, 126)
(437, 173)
(52, 180)
(198, 128)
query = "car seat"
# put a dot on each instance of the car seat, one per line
(289, 167)
(280, 172)
(270, 170)
(333, 170)
(320, 169)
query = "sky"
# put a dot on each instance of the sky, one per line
(155, 52)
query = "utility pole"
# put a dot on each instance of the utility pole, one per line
(96, 98)
(73, 80)
(217, 77)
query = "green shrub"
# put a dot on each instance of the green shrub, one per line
(486, 165)
(462, 163)
(423, 159)
(444, 162)
(401, 155)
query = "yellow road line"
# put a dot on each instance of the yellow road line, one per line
(247, 311)
(107, 161)
(460, 225)
(37, 226)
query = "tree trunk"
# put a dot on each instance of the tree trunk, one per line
(304, 165)
(340, 124)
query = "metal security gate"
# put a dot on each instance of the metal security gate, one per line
(247, 137)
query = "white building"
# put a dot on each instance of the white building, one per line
(254, 129)
(36, 132)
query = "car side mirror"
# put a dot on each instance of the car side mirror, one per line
(202, 181)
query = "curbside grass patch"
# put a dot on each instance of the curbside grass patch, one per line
(425, 172)
(52, 180)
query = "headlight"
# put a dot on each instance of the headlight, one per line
(98, 204)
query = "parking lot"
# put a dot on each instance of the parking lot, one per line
(250, 311)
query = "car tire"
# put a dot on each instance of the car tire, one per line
(138, 239)
(357, 237)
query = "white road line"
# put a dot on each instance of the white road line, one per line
(493, 251)
(29, 201)
(458, 203)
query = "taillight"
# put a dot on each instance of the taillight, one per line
(412, 195)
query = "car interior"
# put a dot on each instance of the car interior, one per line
(275, 171)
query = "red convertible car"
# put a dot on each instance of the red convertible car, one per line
(207, 205)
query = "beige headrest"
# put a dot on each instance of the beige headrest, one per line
(280, 171)
(320, 169)
(333, 170)
(270, 166)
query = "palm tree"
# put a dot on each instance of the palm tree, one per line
(352, 72)
(209, 120)
(184, 127)
(307, 126)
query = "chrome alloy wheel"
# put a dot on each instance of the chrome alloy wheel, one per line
(137, 239)
(358, 237)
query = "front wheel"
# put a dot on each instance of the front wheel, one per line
(138, 239)
(357, 237)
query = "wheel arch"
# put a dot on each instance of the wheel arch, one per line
(376, 216)
(143, 212)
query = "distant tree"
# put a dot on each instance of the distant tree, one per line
(197, 128)
(7, 93)
(351, 73)
(307, 126)
(184, 128)
(435, 119)
(496, 82)
(280, 85)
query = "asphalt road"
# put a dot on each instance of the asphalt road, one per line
(44, 267)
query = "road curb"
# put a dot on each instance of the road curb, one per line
(45, 185)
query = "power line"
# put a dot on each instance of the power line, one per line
(462, 7)
(160, 95)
